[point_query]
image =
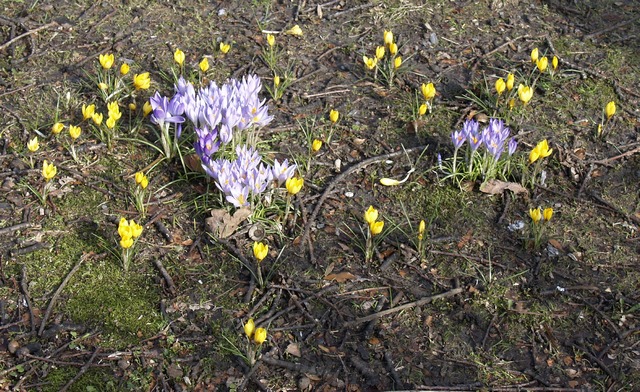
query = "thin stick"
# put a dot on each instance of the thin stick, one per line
(11, 229)
(419, 302)
(28, 33)
(47, 313)
(27, 297)
(165, 275)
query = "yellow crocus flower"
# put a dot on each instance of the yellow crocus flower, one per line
(388, 37)
(136, 229)
(422, 109)
(110, 123)
(610, 109)
(554, 63)
(142, 81)
(421, 228)
(57, 128)
(525, 93)
(276, 80)
(393, 48)
(260, 335)
(106, 60)
(74, 132)
(294, 185)
(178, 57)
(500, 86)
(224, 48)
(547, 213)
(260, 250)
(316, 145)
(87, 111)
(535, 214)
(511, 78)
(397, 62)
(370, 215)
(295, 30)
(428, 91)
(126, 243)
(334, 115)
(271, 40)
(534, 55)
(376, 227)
(370, 63)
(204, 65)
(147, 108)
(33, 144)
(124, 69)
(48, 170)
(542, 64)
(380, 52)
(249, 327)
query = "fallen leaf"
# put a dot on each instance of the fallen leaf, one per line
(465, 239)
(496, 187)
(340, 277)
(192, 161)
(222, 224)
(293, 349)
(374, 341)
(324, 348)
(556, 244)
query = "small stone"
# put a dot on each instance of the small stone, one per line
(23, 351)
(433, 39)
(304, 384)
(13, 346)
(124, 364)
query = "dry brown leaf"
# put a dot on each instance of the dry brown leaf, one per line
(556, 244)
(496, 187)
(465, 239)
(222, 224)
(340, 277)
(293, 349)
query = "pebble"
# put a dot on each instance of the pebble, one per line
(433, 39)
(13, 346)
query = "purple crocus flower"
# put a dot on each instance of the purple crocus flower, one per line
(207, 142)
(457, 137)
(470, 129)
(238, 195)
(282, 171)
(513, 144)
(165, 111)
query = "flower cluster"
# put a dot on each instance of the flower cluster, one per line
(394, 62)
(246, 175)
(129, 232)
(537, 229)
(495, 138)
(375, 227)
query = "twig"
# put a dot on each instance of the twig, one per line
(82, 370)
(625, 154)
(27, 297)
(419, 302)
(586, 179)
(28, 33)
(611, 28)
(597, 360)
(11, 229)
(53, 300)
(296, 367)
(340, 178)
(165, 275)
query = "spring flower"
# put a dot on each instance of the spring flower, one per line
(316, 145)
(113, 110)
(554, 63)
(142, 81)
(380, 52)
(224, 48)
(87, 111)
(74, 132)
(147, 108)
(541, 150)
(397, 62)
(388, 37)
(178, 57)
(610, 109)
(512, 103)
(376, 227)
(103, 86)
(370, 63)
(428, 91)
(534, 55)
(500, 86)
(110, 123)
(390, 182)
(294, 185)
(124, 69)
(260, 250)
(421, 228)
(334, 115)
(204, 65)
(295, 30)
(33, 144)
(260, 335)
(106, 60)
(535, 214)
(513, 144)
(57, 128)
(422, 109)
(136, 229)
(525, 93)
(141, 179)
(132, 106)
(547, 213)
(511, 78)
(393, 48)
(371, 215)
(271, 40)
(542, 64)
(126, 242)
(48, 170)
(276, 80)
(249, 327)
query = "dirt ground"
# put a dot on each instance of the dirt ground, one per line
(474, 305)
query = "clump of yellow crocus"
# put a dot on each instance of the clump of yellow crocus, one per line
(374, 227)
(260, 251)
(539, 216)
(129, 232)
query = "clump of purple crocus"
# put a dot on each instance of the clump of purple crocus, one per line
(247, 176)
(494, 137)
